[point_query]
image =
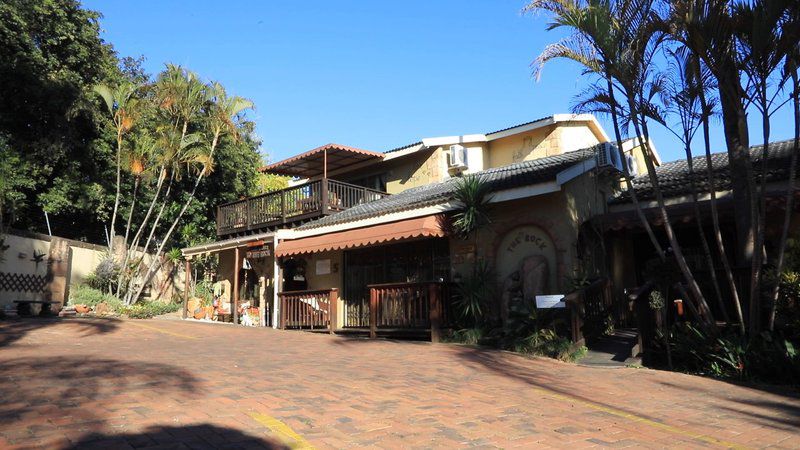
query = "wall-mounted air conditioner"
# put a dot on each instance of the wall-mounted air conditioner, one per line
(608, 157)
(457, 157)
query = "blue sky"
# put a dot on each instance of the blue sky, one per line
(369, 74)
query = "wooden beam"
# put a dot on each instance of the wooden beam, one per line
(333, 299)
(236, 263)
(373, 313)
(187, 283)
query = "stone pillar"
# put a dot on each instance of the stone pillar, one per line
(58, 271)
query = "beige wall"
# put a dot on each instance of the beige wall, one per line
(17, 262)
(333, 280)
(417, 169)
(83, 259)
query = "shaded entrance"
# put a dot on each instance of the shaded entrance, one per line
(409, 262)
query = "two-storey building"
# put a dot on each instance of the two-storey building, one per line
(359, 237)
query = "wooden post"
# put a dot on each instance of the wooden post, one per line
(325, 194)
(235, 307)
(187, 280)
(282, 312)
(435, 311)
(333, 299)
(373, 313)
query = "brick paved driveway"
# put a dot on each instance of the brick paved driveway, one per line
(130, 384)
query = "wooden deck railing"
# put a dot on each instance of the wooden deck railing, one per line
(407, 305)
(294, 203)
(309, 309)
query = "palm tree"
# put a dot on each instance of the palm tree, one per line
(223, 114)
(121, 103)
(706, 28)
(762, 50)
(592, 44)
(686, 29)
(136, 160)
(792, 61)
(625, 36)
(682, 97)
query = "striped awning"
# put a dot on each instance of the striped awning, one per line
(420, 227)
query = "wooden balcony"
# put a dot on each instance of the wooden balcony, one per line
(290, 205)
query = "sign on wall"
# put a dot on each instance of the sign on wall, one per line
(323, 266)
(550, 301)
(259, 252)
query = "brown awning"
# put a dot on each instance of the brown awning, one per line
(429, 226)
(311, 163)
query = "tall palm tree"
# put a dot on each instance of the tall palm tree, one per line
(121, 102)
(791, 35)
(685, 26)
(625, 35)
(706, 28)
(592, 45)
(762, 49)
(223, 114)
(682, 97)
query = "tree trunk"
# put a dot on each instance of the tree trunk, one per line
(734, 119)
(127, 232)
(790, 190)
(723, 254)
(626, 175)
(758, 246)
(116, 197)
(640, 126)
(701, 232)
(153, 265)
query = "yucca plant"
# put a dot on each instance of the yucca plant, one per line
(473, 194)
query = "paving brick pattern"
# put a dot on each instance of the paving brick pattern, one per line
(157, 384)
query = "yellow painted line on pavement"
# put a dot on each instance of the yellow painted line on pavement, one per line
(171, 333)
(639, 419)
(283, 431)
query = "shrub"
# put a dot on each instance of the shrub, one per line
(469, 336)
(147, 310)
(473, 294)
(86, 295)
(546, 342)
(104, 275)
(766, 357)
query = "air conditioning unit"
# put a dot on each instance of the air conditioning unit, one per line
(608, 157)
(457, 157)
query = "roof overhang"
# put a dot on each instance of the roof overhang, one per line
(213, 247)
(313, 162)
(594, 125)
(414, 228)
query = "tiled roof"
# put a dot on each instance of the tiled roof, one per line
(403, 147)
(675, 180)
(515, 175)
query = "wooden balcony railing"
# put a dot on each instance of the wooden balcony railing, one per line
(407, 305)
(309, 309)
(305, 201)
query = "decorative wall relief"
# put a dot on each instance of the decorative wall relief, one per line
(526, 262)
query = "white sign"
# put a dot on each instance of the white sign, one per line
(323, 266)
(550, 301)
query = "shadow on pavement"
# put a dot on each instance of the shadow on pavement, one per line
(16, 329)
(64, 390)
(190, 436)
